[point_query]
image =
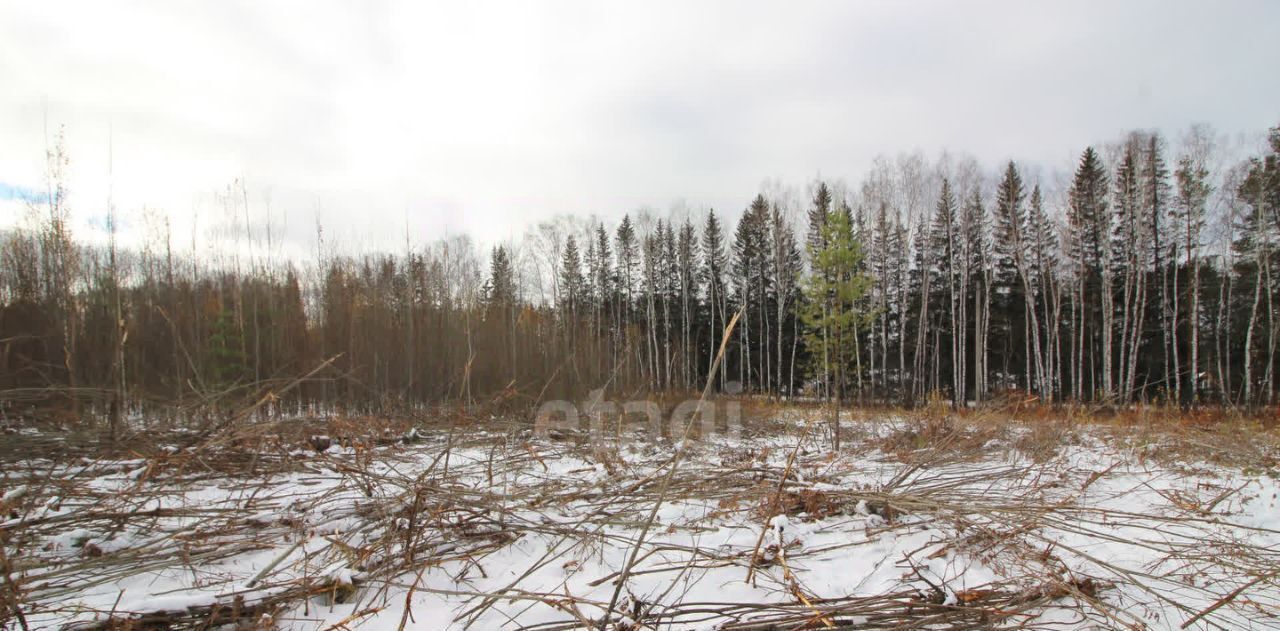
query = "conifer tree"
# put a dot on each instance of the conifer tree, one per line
(713, 271)
(1188, 214)
(945, 245)
(818, 215)
(1091, 226)
(751, 283)
(1164, 244)
(1010, 279)
(1128, 264)
(572, 282)
(833, 290)
(1256, 250)
(686, 261)
(1043, 244)
(976, 285)
(628, 257)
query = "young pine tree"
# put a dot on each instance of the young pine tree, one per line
(834, 289)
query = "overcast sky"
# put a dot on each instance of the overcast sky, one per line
(484, 117)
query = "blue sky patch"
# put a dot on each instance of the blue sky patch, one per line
(13, 191)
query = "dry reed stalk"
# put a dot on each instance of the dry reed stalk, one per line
(671, 471)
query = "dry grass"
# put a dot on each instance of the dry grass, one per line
(431, 509)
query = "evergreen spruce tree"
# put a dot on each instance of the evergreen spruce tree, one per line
(712, 278)
(628, 257)
(946, 272)
(976, 286)
(1043, 251)
(1256, 255)
(1129, 266)
(818, 214)
(1091, 225)
(1163, 256)
(572, 282)
(686, 262)
(1009, 295)
(226, 357)
(750, 277)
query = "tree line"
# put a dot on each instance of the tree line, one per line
(1143, 276)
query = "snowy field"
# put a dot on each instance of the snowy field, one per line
(916, 524)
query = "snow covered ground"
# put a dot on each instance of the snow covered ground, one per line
(915, 524)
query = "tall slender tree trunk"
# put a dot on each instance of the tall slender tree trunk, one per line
(1267, 390)
(1222, 339)
(920, 364)
(1194, 320)
(1078, 374)
(1248, 341)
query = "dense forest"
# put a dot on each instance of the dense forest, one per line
(1144, 276)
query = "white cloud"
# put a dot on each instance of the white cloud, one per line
(484, 117)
